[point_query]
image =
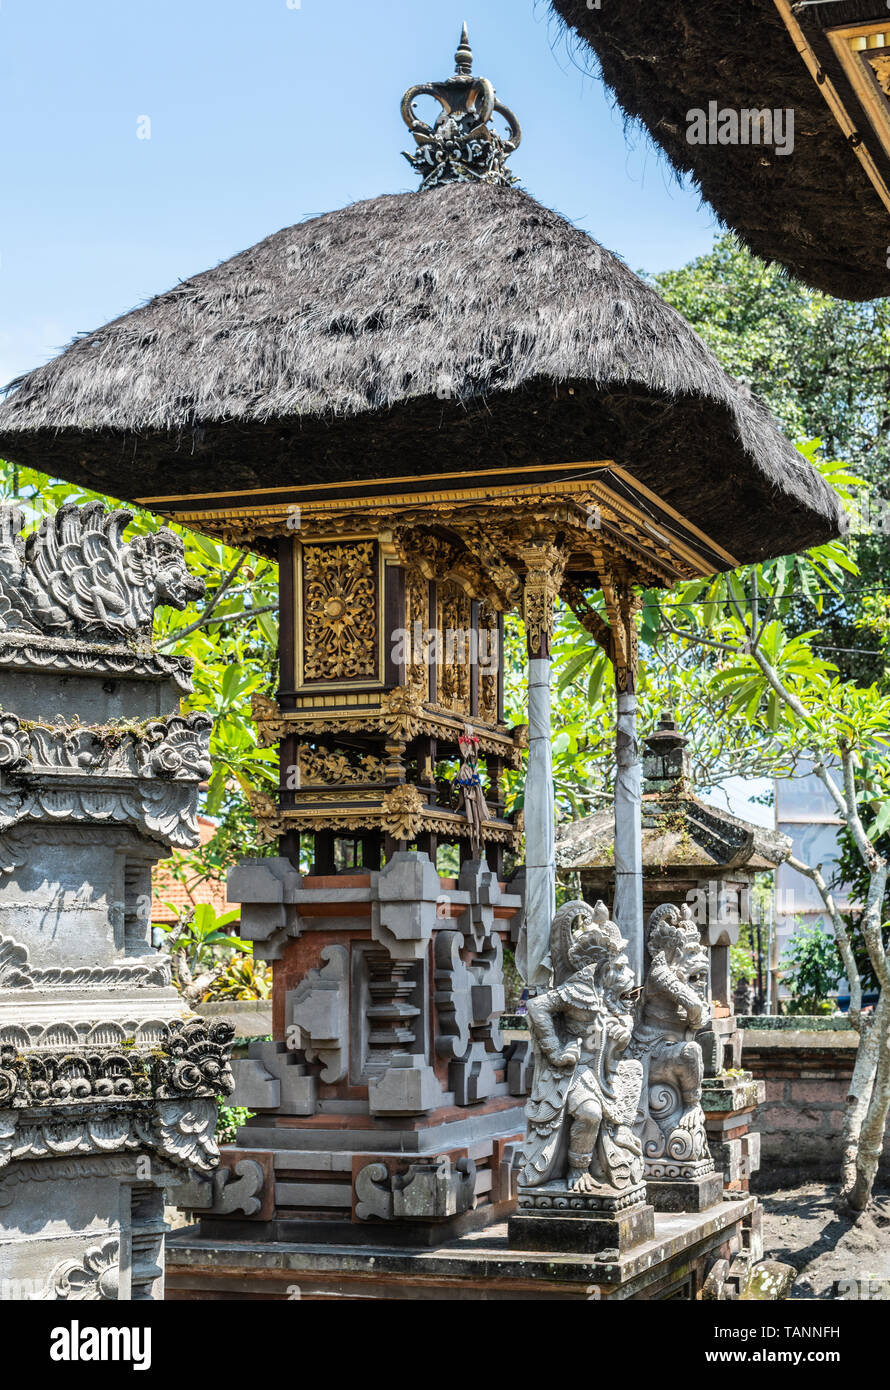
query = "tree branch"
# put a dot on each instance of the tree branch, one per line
(223, 618)
(840, 934)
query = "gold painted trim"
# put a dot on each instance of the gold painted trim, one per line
(672, 511)
(835, 104)
(565, 490)
(842, 41)
(382, 482)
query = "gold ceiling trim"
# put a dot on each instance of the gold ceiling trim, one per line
(650, 543)
(835, 104)
(381, 482)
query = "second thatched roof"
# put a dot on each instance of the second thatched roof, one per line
(814, 210)
(464, 327)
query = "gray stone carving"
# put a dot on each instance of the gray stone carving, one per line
(16, 972)
(276, 1077)
(76, 577)
(267, 891)
(106, 1088)
(581, 1186)
(225, 1191)
(403, 1015)
(95, 1276)
(145, 775)
(429, 1189)
(319, 1014)
(406, 894)
(586, 1091)
(674, 1006)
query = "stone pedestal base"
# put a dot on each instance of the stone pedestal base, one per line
(550, 1218)
(672, 1264)
(587, 1234)
(685, 1194)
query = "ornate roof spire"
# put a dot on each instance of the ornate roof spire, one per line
(461, 147)
(463, 58)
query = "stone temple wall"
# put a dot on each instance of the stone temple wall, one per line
(108, 1089)
(805, 1069)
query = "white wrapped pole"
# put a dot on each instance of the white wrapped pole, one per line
(628, 906)
(544, 564)
(540, 832)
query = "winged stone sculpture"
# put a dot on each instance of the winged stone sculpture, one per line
(76, 577)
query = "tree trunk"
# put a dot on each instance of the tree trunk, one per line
(859, 1096)
(871, 1128)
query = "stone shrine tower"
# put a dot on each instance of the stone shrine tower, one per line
(108, 1090)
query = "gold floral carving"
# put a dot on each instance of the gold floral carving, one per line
(402, 812)
(417, 604)
(880, 65)
(489, 703)
(340, 612)
(323, 768)
(401, 714)
(271, 726)
(267, 813)
(454, 622)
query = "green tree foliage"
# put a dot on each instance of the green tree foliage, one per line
(811, 967)
(822, 365)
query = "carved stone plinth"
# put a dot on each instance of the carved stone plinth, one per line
(686, 1194)
(550, 1218)
(107, 1090)
(388, 1106)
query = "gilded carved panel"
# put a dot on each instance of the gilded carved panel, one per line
(339, 628)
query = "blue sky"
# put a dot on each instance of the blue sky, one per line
(264, 112)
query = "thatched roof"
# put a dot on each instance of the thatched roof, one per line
(814, 211)
(463, 327)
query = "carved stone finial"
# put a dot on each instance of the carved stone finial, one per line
(462, 147)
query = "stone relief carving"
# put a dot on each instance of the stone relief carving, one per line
(76, 577)
(319, 1013)
(59, 654)
(55, 1103)
(674, 1005)
(147, 775)
(95, 1276)
(429, 1189)
(16, 972)
(586, 1090)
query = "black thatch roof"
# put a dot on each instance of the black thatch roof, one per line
(813, 211)
(420, 333)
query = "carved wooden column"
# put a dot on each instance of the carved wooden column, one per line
(544, 565)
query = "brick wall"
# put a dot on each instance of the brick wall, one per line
(806, 1072)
